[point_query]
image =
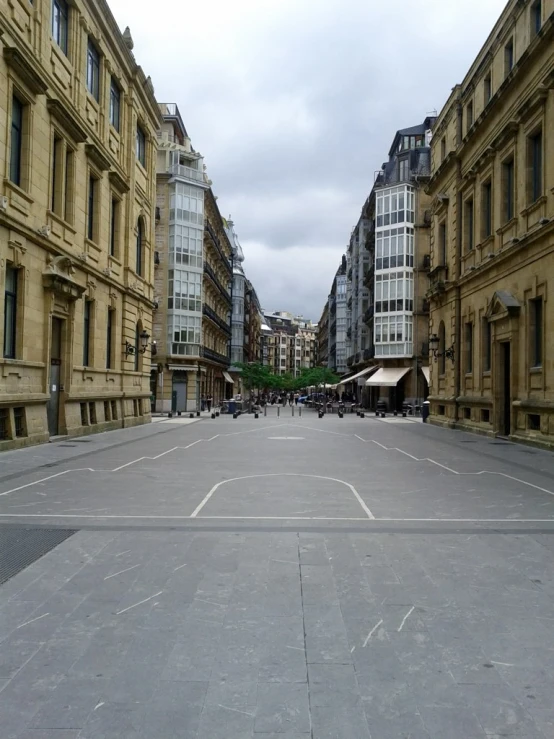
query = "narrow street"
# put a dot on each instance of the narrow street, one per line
(278, 578)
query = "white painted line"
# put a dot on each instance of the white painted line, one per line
(32, 620)
(373, 630)
(122, 553)
(300, 649)
(45, 479)
(504, 664)
(201, 505)
(98, 705)
(139, 603)
(455, 472)
(286, 438)
(158, 456)
(406, 618)
(235, 710)
(178, 518)
(115, 574)
(180, 567)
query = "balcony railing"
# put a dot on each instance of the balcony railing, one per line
(212, 315)
(368, 315)
(369, 353)
(350, 360)
(188, 173)
(215, 241)
(215, 356)
(215, 279)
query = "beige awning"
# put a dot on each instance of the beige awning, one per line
(228, 378)
(364, 372)
(387, 376)
(426, 374)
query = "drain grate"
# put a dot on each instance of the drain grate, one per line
(20, 547)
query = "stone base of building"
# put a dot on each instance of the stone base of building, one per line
(27, 424)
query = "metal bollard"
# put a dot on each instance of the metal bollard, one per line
(197, 414)
(358, 413)
(377, 414)
(235, 415)
(191, 415)
(213, 415)
(278, 411)
(265, 410)
(340, 414)
(362, 415)
(395, 413)
(300, 410)
(255, 415)
(217, 413)
(292, 407)
(382, 415)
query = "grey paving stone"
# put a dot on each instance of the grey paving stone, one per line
(112, 721)
(49, 734)
(232, 694)
(336, 722)
(451, 723)
(498, 711)
(71, 703)
(14, 653)
(282, 707)
(223, 722)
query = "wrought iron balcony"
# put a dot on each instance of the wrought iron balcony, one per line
(212, 315)
(215, 279)
(350, 360)
(215, 356)
(369, 353)
(226, 264)
(369, 313)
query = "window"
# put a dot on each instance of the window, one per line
(110, 338)
(403, 170)
(10, 312)
(60, 15)
(469, 116)
(136, 354)
(93, 70)
(508, 190)
(19, 422)
(16, 140)
(443, 148)
(469, 224)
(536, 17)
(139, 248)
(508, 57)
(534, 166)
(92, 206)
(115, 104)
(114, 227)
(57, 176)
(536, 331)
(442, 245)
(469, 347)
(68, 184)
(4, 424)
(487, 87)
(141, 146)
(533, 421)
(87, 332)
(442, 347)
(92, 411)
(486, 205)
(487, 345)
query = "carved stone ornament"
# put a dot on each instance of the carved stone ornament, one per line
(59, 278)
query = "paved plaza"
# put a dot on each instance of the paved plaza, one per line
(277, 578)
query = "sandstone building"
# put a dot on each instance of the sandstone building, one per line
(78, 124)
(493, 235)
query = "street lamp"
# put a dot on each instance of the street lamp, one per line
(143, 338)
(434, 343)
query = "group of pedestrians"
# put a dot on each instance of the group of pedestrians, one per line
(282, 398)
(206, 403)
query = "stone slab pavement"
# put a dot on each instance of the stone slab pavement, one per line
(227, 581)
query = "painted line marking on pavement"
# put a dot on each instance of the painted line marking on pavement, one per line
(32, 620)
(276, 518)
(139, 603)
(91, 469)
(373, 630)
(455, 472)
(115, 574)
(201, 505)
(412, 609)
(180, 567)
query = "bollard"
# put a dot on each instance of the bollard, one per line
(278, 411)
(340, 414)
(170, 414)
(255, 415)
(358, 413)
(265, 410)
(382, 415)
(403, 414)
(191, 415)
(377, 414)
(213, 415)
(217, 413)
(300, 410)
(292, 407)
(395, 413)
(235, 415)
(320, 414)
(197, 414)
(362, 415)
(178, 413)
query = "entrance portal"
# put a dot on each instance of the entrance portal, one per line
(53, 406)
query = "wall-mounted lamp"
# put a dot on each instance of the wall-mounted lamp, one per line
(130, 350)
(434, 342)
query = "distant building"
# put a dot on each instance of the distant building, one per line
(291, 344)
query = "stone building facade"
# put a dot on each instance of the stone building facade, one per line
(192, 277)
(493, 236)
(77, 125)
(291, 343)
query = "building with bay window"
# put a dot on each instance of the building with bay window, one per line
(492, 251)
(192, 277)
(78, 136)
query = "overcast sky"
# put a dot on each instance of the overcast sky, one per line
(294, 105)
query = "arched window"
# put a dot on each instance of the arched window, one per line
(442, 347)
(140, 247)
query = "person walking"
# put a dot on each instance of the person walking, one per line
(209, 403)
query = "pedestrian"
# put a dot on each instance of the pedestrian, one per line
(203, 403)
(209, 403)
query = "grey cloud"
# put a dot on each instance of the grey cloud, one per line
(294, 106)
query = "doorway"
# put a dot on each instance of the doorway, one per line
(179, 392)
(505, 356)
(53, 406)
